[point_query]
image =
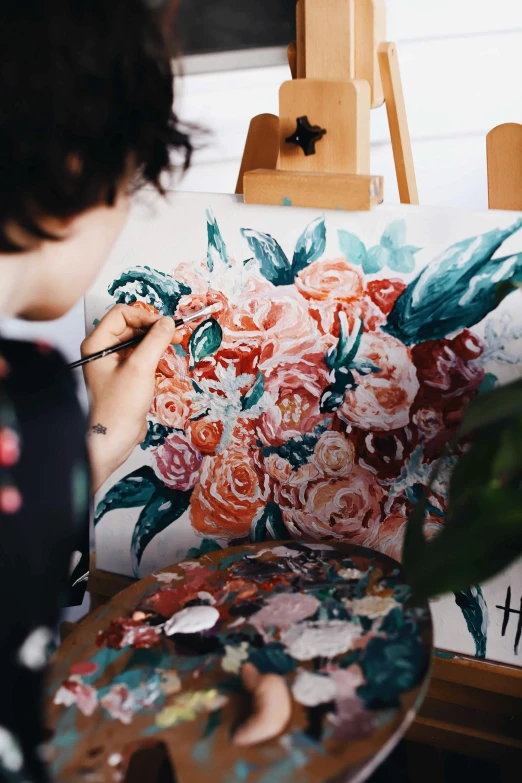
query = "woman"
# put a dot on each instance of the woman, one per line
(86, 94)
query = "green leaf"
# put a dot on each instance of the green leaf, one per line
(493, 407)
(269, 524)
(473, 469)
(483, 539)
(207, 545)
(273, 263)
(163, 508)
(143, 284)
(456, 290)
(394, 235)
(133, 491)
(351, 247)
(348, 344)
(310, 245)
(508, 458)
(378, 257)
(156, 435)
(217, 250)
(254, 394)
(204, 341)
(402, 261)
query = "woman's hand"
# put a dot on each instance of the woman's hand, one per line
(121, 385)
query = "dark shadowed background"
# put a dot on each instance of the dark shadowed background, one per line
(207, 26)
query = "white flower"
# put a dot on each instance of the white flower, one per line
(222, 401)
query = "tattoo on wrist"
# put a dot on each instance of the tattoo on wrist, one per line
(99, 429)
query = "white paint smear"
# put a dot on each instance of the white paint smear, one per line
(324, 639)
(310, 689)
(192, 620)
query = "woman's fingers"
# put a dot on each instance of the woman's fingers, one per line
(121, 323)
(148, 352)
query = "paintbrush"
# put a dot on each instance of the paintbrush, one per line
(178, 323)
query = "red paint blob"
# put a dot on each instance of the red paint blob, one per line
(83, 668)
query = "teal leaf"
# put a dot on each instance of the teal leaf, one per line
(376, 259)
(394, 235)
(269, 524)
(297, 451)
(488, 384)
(474, 608)
(273, 263)
(402, 261)
(455, 291)
(204, 341)
(208, 545)
(254, 394)
(164, 507)
(348, 344)
(216, 250)
(133, 491)
(365, 367)
(351, 247)
(310, 245)
(143, 284)
(333, 396)
(272, 659)
(156, 435)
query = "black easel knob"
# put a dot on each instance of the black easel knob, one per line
(306, 136)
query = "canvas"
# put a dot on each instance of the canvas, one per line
(315, 402)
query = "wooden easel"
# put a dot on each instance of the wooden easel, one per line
(342, 67)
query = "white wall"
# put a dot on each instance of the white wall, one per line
(461, 63)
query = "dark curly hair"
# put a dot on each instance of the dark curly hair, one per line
(86, 87)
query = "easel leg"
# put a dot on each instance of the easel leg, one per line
(504, 150)
(261, 148)
(400, 135)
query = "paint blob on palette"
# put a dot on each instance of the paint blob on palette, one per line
(317, 401)
(165, 663)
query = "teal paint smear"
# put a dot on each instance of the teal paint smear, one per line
(284, 770)
(230, 560)
(202, 750)
(240, 773)
(444, 655)
(65, 739)
(475, 611)
(488, 384)
(286, 202)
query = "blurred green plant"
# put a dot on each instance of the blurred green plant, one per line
(483, 531)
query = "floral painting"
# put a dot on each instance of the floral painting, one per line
(316, 400)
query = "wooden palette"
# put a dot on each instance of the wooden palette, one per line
(306, 611)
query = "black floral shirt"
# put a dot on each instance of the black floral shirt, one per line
(44, 538)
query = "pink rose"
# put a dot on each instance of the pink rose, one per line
(282, 471)
(393, 530)
(296, 390)
(231, 491)
(334, 455)
(383, 399)
(335, 279)
(194, 274)
(347, 508)
(177, 463)
(326, 314)
(279, 322)
(171, 404)
(428, 422)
